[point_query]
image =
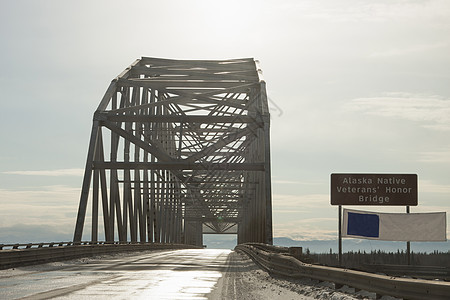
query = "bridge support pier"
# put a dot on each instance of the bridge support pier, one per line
(193, 233)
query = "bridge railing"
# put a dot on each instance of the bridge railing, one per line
(36, 253)
(60, 244)
(286, 265)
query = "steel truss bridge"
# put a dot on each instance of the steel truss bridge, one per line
(180, 148)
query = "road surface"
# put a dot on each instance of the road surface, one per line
(177, 274)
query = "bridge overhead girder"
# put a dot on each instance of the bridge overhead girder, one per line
(177, 146)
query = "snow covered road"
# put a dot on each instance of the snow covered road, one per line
(176, 274)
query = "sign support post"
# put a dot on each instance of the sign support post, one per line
(408, 244)
(340, 235)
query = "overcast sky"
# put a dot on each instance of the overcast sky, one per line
(354, 86)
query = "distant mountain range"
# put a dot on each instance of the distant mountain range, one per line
(324, 246)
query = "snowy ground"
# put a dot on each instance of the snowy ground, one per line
(244, 280)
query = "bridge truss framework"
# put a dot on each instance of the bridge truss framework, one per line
(179, 148)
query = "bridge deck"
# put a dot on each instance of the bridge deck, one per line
(179, 274)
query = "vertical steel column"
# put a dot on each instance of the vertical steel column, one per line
(94, 216)
(86, 184)
(265, 136)
(104, 190)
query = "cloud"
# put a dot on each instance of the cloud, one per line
(292, 217)
(371, 11)
(308, 229)
(420, 49)
(53, 206)
(59, 172)
(427, 186)
(430, 110)
(41, 214)
(442, 156)
(295, 182)
(300, 201)
(24, 233)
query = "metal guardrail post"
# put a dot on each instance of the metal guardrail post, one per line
(296, 252)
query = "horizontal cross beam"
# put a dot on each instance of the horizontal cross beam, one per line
(179, 166)
(174, 118)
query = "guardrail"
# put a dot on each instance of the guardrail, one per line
(28, 254)
(52, 244)
(424, 272)
(270, 248)
(286, 265)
